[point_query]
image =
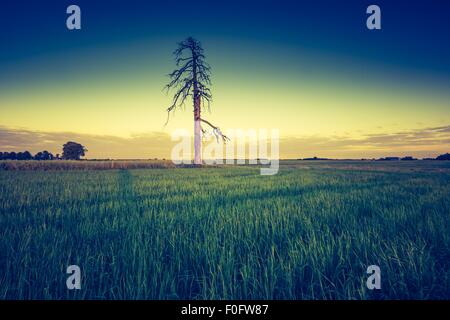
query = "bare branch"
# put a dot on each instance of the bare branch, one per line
(217, 132)
(176, 75)
(184, 92)
(192, 78)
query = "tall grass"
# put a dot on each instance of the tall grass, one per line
(14, 165)
(224, 234)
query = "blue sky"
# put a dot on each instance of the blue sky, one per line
(310, 68)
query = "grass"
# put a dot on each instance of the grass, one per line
(309, 232)
(13, 165)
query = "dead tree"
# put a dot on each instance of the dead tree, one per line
(192, 79)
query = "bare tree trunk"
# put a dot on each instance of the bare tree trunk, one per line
(197, 110)
(197, 133)
(197, 142)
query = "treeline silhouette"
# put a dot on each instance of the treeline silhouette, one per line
(26, 155)
(70, 151)
(445, 156)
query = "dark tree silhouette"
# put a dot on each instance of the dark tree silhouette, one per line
(43, 155)
(26, 155)
(4, 156)
(73, 151)
(445, 156)
(12, 156)
(192, 79)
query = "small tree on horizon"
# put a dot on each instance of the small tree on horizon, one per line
(73, 151)
(192, 79)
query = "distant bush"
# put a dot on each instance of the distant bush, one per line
(44, 155)
(26, 155)
(315, 158)
(8, 156)
(389, 159)
(444, 157)
(408, 158)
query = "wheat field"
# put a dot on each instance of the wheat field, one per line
(309, 232)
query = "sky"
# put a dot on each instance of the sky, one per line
(311, 69)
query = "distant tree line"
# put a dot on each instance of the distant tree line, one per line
(71, 151)
(26, 155)
(445, 156)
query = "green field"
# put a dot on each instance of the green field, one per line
(308, 232)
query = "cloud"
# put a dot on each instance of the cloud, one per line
(427, 142)
(441, 129)
(139, 146)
